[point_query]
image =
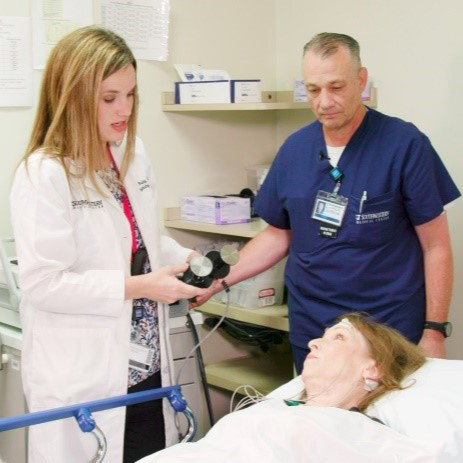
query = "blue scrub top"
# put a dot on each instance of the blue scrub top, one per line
(375, 264)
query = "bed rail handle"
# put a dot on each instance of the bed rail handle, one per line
(83, 414)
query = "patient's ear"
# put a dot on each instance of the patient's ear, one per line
(371, 377)
(371, 371)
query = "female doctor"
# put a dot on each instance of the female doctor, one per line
(93, 266)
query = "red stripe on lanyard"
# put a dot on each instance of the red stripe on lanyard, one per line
(125, 204)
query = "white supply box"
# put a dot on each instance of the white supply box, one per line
(246, 91)
(262, 290)
(205, 92)
(218, 91)
(219, 210)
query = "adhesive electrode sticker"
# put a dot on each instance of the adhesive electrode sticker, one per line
(346, 323)
(329, 208)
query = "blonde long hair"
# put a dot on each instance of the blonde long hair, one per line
(66, 123)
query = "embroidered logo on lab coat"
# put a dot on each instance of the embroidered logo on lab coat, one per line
(370, 218)
(80, 204)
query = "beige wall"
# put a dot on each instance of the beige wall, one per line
(413, 49)
(192, 153)
(414, 52)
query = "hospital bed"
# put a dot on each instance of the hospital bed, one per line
(423, 423)
(83, 414)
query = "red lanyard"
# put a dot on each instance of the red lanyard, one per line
(125, 204)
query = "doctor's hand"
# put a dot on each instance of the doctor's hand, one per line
(161, 285)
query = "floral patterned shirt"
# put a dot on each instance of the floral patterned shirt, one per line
(145, 324)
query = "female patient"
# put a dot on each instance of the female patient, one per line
(355, 362)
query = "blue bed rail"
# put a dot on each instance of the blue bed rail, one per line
(83, 414)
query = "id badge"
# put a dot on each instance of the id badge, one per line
(329, 208)
(138, 313)
(141, 357)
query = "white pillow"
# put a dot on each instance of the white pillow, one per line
(431, 409)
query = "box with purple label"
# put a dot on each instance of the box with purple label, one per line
(219, 210)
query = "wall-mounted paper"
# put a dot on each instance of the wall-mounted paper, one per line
(144, 24)
(53, 19)
(15, 61)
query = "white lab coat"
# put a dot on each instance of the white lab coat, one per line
(74, 251)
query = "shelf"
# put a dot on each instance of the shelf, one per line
(244, 230)
(264, 372)
(271, 101)
(273, 316)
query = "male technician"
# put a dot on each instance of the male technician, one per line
(357, 201)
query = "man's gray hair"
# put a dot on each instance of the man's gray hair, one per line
(327, 43)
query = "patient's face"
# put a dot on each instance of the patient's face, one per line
(340, 356)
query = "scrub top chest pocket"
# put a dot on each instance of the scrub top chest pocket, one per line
(305, 229)
(373, 221)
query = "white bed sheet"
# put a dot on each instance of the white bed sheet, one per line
(272, 432)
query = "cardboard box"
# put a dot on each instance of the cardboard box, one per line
(206, 92)
(219, 210)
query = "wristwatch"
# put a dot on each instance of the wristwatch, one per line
(444, 328)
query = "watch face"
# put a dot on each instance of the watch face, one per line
(448, 329)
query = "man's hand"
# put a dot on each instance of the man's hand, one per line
(215, 288)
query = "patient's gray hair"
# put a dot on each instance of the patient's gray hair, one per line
(328, 43)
